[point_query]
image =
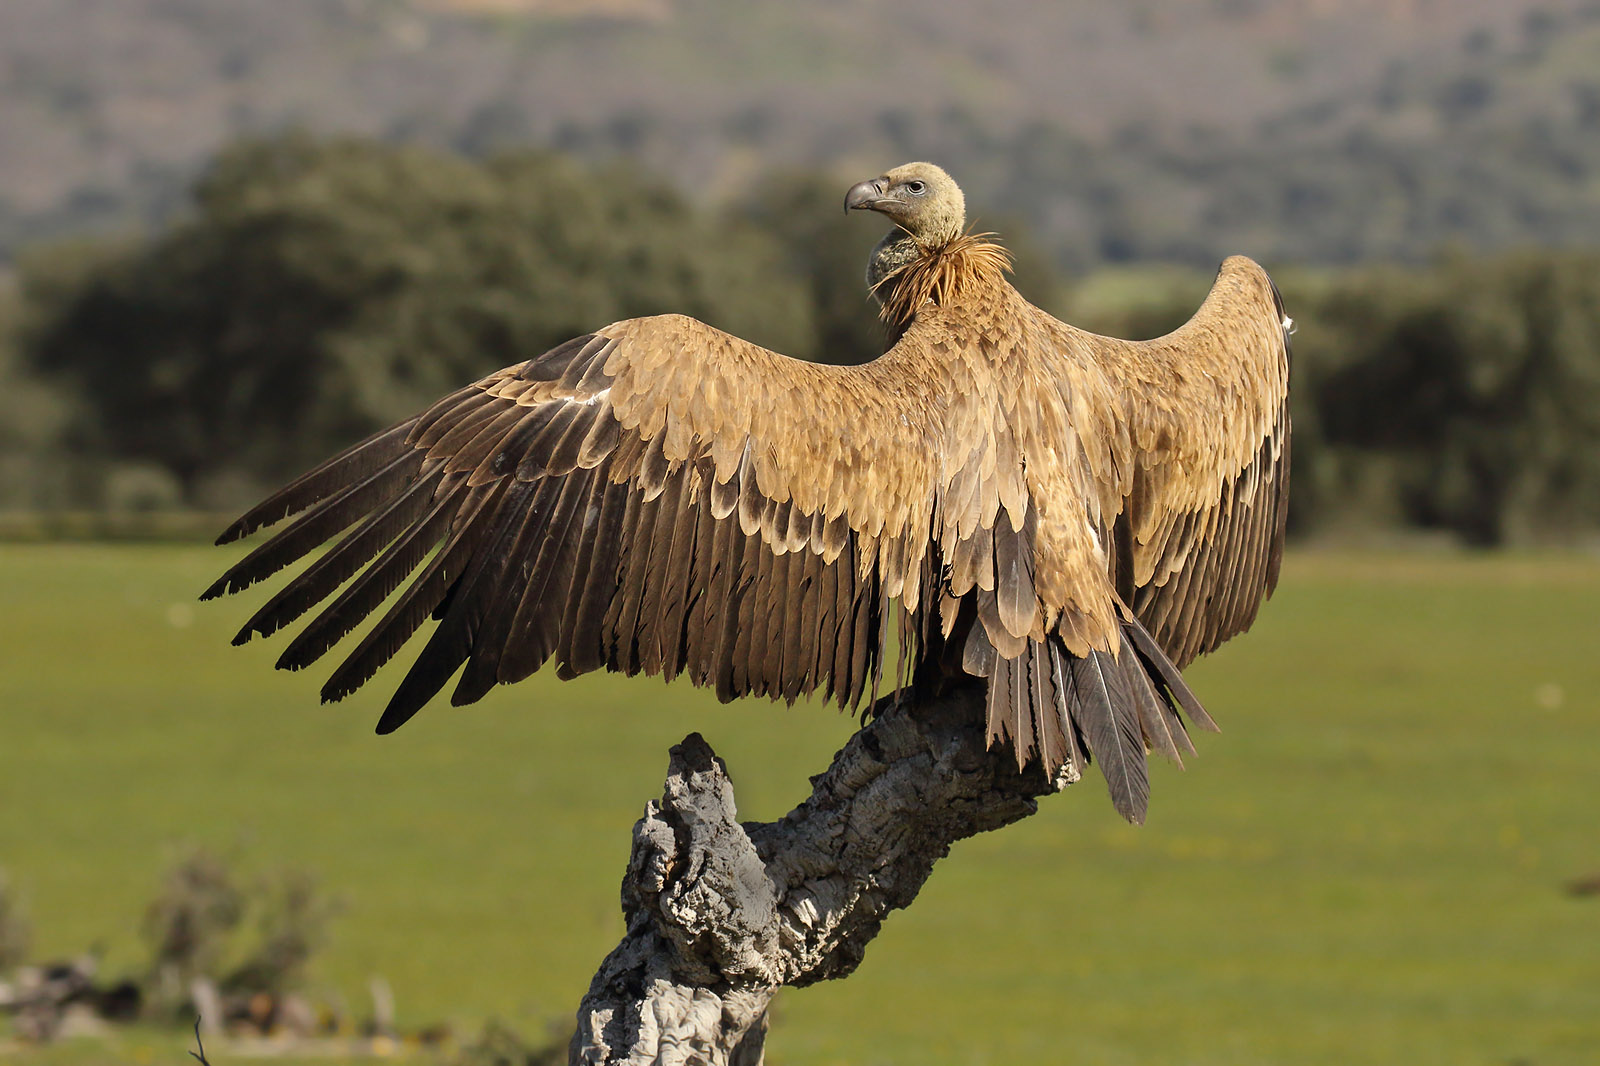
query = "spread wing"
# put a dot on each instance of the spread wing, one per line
(1156, 481)
(662, 497)
(658, 496)
(1205, 483)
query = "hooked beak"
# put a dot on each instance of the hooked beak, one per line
(866, 195)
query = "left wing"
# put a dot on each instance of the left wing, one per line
(658, 496)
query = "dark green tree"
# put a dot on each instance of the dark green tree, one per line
(33, 417)
(1482, 379)
(323, 287)
(828, 251)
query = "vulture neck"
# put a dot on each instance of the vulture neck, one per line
(896, 251)
(905, 275)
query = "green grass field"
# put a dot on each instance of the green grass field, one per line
(1367, 866)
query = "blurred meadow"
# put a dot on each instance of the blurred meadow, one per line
(236, 236)
(1370, 864)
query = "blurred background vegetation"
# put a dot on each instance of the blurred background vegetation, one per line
(318, 287)
(234, 237)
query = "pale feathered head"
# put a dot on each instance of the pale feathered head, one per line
(920, 198)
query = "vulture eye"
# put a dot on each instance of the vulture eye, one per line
(916, 188)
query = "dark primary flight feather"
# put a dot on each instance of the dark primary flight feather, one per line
(1071, 518)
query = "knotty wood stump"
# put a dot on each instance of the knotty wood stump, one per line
(722, 914)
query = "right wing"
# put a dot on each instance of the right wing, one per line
(1208, 414)
(658, 496)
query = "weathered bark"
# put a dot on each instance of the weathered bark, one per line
(721, 915)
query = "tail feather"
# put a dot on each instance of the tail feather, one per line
(1067, 710)
(1111, 726)
(1156, 719)
(1177, 690)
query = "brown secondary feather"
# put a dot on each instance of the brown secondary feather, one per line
(1080, 516)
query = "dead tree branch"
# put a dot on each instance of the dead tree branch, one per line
(720, 914)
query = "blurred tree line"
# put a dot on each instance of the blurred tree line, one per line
(320, 288)
(1463, 396)
(1346, 131)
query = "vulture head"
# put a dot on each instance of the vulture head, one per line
(920, 198)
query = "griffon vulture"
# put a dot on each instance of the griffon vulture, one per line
(1068, 517)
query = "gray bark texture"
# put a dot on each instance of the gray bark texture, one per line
(720, 914)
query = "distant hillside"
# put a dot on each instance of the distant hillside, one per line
(1323, 130)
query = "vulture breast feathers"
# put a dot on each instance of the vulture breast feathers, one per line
(1069, 517)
